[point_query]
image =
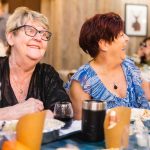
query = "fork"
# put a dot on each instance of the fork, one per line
(2, 126)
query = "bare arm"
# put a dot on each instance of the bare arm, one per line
(77, 96)
(146, 88)
(18, 110)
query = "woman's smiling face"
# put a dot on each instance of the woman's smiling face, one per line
(26, 46)
(118, 46)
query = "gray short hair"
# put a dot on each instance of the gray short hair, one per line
(23, 14)
(20, 16)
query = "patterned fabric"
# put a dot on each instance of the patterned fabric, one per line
(92, 85)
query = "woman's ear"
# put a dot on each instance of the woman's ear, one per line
(103, 45)
(10, 37)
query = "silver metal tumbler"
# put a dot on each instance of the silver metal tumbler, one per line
(93, 116)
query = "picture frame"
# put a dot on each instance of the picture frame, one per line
(136, 16)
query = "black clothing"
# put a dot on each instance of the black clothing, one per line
(45, 85)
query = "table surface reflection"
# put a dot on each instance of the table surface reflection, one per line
(74, 140)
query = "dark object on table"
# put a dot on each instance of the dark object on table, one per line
(2, 140)
(73, 139)
(50, 136)
(2, 126)
(93, 116)
(62, 133)
(147, 124)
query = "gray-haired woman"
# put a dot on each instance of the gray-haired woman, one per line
(26, 85)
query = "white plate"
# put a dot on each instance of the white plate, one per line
(142, 114)
(49, 125)
(52, 124)
(9, 125)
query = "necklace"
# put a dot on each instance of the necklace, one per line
(20, 91)
(115, 86)
(19, 88)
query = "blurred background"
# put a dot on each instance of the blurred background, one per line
(66, 18)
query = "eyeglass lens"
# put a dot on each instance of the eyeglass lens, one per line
(31, 31)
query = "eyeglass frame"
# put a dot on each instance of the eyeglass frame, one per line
(37, 31)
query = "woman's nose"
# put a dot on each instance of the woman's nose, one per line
(38, 36)
(126, 37)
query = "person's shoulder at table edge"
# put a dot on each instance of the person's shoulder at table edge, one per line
(47, 69)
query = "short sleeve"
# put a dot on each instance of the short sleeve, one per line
(84, 76)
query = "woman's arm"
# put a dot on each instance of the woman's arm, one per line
(146, 88)
(77, 96)
(15, 112)
(6, 113)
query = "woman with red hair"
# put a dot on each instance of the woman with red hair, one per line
(109, 76)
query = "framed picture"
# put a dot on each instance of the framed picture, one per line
(136, 16)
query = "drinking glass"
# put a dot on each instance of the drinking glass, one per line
(63, 111)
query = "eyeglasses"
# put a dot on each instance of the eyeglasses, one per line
(31, 31)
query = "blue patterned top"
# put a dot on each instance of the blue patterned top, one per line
(92, 85)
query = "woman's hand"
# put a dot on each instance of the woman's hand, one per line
(49, 114)
(30, 106)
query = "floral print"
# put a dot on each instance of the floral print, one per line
(92, 85)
